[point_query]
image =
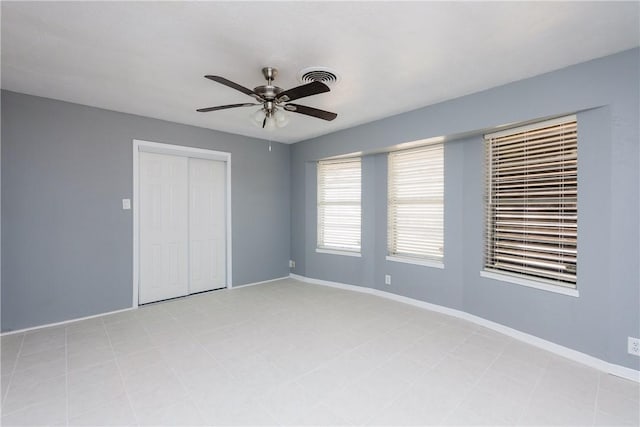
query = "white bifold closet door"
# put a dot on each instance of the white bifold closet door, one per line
(207, 254)
(182, 226)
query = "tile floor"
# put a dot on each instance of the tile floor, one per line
(287, 353)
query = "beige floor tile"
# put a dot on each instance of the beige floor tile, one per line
(93, 395)
(604, 419)
(547, 408)
(36, 360)
(500, 409)
(42, 340)
(294, 354)
(93, 374)
(182, 413)
(46, 414)
(21, 396)
(620, 386)
(619, 405)
(85, 357)
(40, 372)
(113, 413)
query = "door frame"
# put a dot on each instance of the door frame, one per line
(184, 151)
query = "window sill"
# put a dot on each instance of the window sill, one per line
(503, 277)
(422, 262)
(338, 252)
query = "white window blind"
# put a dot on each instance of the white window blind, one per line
(532, 201)
(415, 203)
(339, 205)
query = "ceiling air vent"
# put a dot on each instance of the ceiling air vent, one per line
(319, 74)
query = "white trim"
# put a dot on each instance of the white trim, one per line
(64, 322)
(176, 150)
(136, 223)
(338, 252)
(574, 355)
(416, 261)
(229, 229)
(261, 283)
(622, 371)
(530, 283)
(109, 313)
(537, 125)
(180, 150)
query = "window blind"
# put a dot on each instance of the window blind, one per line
(339, 208)
(415, 202)
(532, 216)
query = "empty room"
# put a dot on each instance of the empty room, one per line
(320, 213)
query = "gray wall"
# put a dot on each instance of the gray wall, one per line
(605, 94)
(66, 242)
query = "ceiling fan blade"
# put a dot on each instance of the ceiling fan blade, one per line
(310, 111)
(233, 85)
(223, 107)
(298, 92)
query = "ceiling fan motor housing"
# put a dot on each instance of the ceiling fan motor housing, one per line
(269, 73)
(267, 91)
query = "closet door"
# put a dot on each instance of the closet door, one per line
(207, 224)
(163, 227)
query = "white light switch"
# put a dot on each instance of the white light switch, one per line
(126, 204)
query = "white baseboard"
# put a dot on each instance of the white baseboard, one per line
(594, 362)
(64, 322)
(259, 283)
(77, 319)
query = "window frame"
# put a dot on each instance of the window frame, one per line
(322, 204)
(401, 164)
(558, 210)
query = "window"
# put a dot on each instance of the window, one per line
(339, 204)
(415, 203)
(532, 202)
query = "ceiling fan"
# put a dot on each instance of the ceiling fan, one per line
(275, 100)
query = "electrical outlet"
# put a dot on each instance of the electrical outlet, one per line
(292, 264)
(387, 279)
(633, 346)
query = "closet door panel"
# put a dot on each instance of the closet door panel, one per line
(163, 205)
(207, 224)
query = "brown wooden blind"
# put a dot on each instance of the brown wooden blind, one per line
(532, 215)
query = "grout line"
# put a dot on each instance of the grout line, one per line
(595, 405)
(202, 347)
(411, 382)
(351, 350)
(13, 370)
(66, 373)
(124, 384)
(475, 383)
(170, 368)
(532, 392)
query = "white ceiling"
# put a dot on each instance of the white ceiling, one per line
(149, 58)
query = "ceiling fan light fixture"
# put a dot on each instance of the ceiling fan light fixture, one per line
(257, 118)
(281, 118)
(270, 124)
